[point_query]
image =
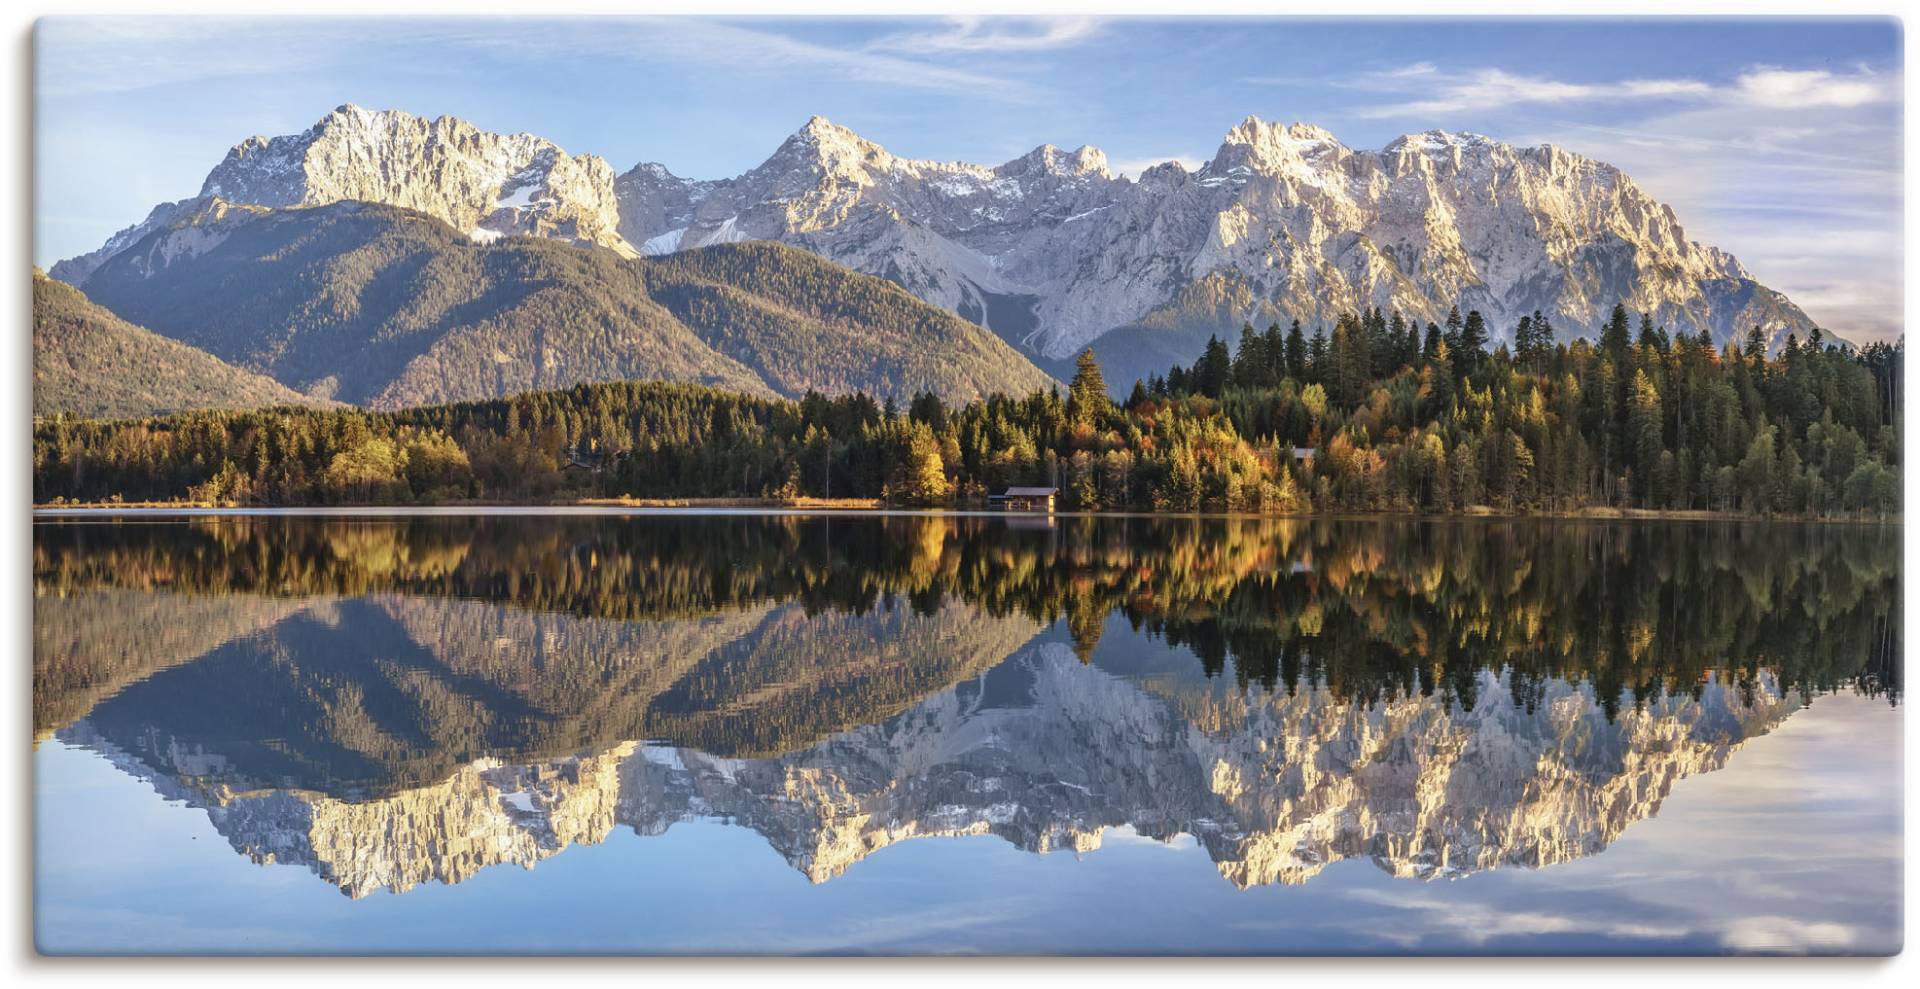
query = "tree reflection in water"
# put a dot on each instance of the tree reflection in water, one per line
(391, 701)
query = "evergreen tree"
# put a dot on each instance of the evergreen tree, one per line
(1250, 360)
(1613, 336)
(1214, 369)
(1296, 353)
(1087, 396)
(1473, 342)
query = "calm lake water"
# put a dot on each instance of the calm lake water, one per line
(779, 733)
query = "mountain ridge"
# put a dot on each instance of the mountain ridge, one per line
(81, 349)
(1052, 250)
(390, 307)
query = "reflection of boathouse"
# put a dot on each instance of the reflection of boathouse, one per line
(1026, 499)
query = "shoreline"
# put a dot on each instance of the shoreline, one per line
(873, 506)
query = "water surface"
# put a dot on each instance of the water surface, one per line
(788, 733)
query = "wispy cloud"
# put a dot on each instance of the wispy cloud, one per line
(1436, 91)
(1766, 86)
(77, 56)
(104, 55)
(1491, 88)
(1477, 924)
(978, 35)
(1809, 198)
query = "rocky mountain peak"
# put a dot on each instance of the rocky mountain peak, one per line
(832, 148)
(1048, 160)
(1277, 142)
(490, 185)
(1273, 787)
(1051, 250)
(1440, 140)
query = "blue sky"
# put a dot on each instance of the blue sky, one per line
(1778, 140)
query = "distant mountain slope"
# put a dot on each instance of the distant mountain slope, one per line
(769, 306)
(89, 362)
(1053, 251)
(388, 307)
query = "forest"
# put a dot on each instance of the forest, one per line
(1379, 415)
(1372, 610)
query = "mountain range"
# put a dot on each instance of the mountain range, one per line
(387, 307)
(1052, 251)
(1038, 749)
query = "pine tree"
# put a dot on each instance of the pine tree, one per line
(1087, 396)
(1249, 360)
(1648, 336)
(1215, 368)
(1274, 349)
(1523, 345)
(1296, 353)
(1473, 342)
(1613, 336)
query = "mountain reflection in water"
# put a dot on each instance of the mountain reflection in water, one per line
(395, 701)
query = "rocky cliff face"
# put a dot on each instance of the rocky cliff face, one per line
(487, 185)
(1052, 250)
(1046, 753)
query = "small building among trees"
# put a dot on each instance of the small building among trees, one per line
(1026, 499)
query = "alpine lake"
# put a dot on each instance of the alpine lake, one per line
(678, 732)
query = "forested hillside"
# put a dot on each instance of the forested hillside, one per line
(1379, 417)
(1405, 417)
(384, 307)
(89, 362)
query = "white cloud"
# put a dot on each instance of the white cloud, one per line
(1476, 923)
(976, 35)
(1664, 87)
(1786, 934)
(82, 55)
(1437, 91)
(1491, 88)
(1809, 199)
(95, 54)
(734, 48)
(1765, 86)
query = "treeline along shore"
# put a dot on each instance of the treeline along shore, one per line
(1380, 415)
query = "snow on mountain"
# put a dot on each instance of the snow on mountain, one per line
(490, 185)
(1053, 250)
(1274, 786)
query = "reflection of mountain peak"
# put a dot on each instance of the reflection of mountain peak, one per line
(399, 701)
(1282, 786)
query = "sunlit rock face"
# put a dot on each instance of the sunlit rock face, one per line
(402, 702)
(486, 814)
(1046, 753)
(1281, 787)
(1053, 250)
(485, 184)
